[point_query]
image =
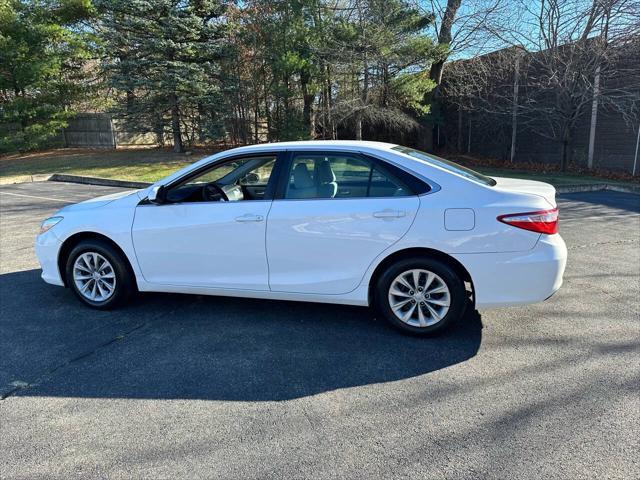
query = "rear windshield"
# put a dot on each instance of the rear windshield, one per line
(447, 165)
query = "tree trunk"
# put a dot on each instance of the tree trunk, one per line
(444, 38)
(358, 126)
(435, 72)
(130, 101)
(332, 125)
(267, 111)
(307, 99)
(385, 85)
(285, 98)
(256, 115)
(566, 149)
(459, 138)
(566, 155)
(202, 137)
(159, 136)
(175, 125)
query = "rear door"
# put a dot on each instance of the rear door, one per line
(333, 215)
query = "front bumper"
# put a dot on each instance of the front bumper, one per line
(516, 278)
(47, 249)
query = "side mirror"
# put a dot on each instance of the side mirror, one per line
(157, 195)
(250, 178)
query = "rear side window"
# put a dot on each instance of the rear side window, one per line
(338, 175)
(447, 165)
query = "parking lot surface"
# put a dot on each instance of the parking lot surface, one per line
(176, 386)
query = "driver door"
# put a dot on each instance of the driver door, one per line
(196, 238)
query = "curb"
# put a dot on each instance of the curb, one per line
(596, 187)
(618, 188)
(38, 177)
(105, 182)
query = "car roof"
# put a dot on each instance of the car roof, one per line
(350, 144)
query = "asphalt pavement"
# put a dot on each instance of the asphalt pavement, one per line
(177, 386)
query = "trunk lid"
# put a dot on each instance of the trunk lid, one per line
(531, 187)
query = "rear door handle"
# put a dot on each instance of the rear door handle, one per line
(249, 217)
(389, 213)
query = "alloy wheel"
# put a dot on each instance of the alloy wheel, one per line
(419, 298)
(94, 276)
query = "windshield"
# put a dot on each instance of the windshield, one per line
(447, 165)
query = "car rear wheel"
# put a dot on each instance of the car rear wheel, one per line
(421, 295)
(98, 274)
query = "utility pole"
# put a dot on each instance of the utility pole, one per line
(514, 111)
(594, 118)
(635, 158)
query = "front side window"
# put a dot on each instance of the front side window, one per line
(337, 175)
(236, 180)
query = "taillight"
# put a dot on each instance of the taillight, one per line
(543, 221)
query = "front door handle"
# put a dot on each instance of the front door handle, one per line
(389, 213)
(249, 217)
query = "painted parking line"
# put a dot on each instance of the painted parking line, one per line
(36, 196)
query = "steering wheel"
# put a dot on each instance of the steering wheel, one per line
(213, 193)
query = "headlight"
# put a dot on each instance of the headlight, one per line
(48, 223)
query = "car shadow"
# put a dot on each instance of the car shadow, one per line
(210, 348)
(585, 204)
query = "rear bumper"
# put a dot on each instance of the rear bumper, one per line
(504, 279)
(47, 248)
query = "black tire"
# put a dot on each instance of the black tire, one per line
(458, 297)
(124, 284)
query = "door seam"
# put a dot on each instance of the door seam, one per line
(266, 251)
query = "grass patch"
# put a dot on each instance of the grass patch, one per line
(141, 165)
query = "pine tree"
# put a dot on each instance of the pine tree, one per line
(165, 55)
(42, 54)
(381, 52)
(281, 36)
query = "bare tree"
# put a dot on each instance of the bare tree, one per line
(462, 27)
(574, 54)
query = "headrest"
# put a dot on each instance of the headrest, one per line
(301, 176)
(325, 173)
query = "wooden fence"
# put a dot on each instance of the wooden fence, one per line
(100, 130)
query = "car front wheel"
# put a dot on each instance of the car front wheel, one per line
(98, 274)
(420, 295)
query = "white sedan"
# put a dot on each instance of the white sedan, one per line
(359, 223)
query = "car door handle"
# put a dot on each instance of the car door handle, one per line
(389, 213)
(249, 217)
